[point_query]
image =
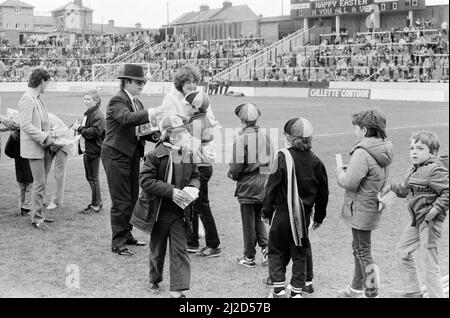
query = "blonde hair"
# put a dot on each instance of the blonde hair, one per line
(95, 95)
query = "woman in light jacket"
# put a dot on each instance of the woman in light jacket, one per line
(363, 180)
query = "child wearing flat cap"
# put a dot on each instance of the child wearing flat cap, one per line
(252, 156)
(298, 183)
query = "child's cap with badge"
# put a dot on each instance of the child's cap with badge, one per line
(248, 112)
(299, 127)
(199, 100)
(170, 123)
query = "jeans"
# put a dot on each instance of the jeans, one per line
(423, 237)
(366, 274)
(202, 208)
(61, 159)
(254, 230)
(40, 169)
(92, 167)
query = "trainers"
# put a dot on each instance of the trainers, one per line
(193, 250)
(208, 252)
(296, 295)
(350, 293)
(265, 255)
(281, 294)
(52, 206)
(87, 211)
(308, 289)
(247, 262)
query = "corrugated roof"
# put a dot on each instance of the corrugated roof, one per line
(67, 6)
(236, 14)
(231, 14)
(110, 29)
(15, 3)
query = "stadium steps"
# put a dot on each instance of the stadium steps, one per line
(242, 70)
(122, 58)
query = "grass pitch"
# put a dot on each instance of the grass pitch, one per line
(34, 264)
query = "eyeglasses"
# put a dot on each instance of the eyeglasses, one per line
(140, 83)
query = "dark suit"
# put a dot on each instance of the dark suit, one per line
(121, 153)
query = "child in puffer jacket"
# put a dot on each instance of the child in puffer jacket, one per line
(426, 189)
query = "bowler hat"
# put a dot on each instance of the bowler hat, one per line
(134, 72)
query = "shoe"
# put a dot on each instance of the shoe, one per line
(47, 220)
(39, 226)
(96, 209)
(308, 289)
(122, 252)
(296, 295)
(177, 295)
(24, 212)
(208, 252)
(413, 295)
(193, 250)
(86, 211)
(265, 255)
(52, 206)
(280, 294)
(350, 293)
(154, 287)
(134, 242)
(247, 262)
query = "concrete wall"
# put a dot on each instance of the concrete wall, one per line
(270, 31)
(249, 28)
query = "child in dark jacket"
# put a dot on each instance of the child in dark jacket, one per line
(426, 187)
(167, 173)
(92, 131)
(297, 184)
(252, 156)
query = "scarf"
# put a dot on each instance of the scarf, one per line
(297, 216)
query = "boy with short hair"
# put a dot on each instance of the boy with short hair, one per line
(252, 156)
(297, 184)
(167, 172)
(427, 189)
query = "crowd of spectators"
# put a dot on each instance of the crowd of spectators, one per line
(415, 53)
(64, 59)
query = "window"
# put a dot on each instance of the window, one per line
(407, 3)
(299, 13)
(383, 7)
(414, 3)
(394, 6)
(8, 25)
(17, 26)
(54, 28)
(18, 10)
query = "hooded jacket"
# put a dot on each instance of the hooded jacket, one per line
(364, 179)
(426, 186)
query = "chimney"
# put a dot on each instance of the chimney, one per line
(138, 25)
(227, 4)
(78, 3)
(111, 22)
(204, 7)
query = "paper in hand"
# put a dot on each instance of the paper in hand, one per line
(192, 194)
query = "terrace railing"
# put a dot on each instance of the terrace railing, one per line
(267, 55)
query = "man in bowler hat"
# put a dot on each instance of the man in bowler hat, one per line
(121, 154)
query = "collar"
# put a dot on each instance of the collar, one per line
(161, 150)
(249, 129)
(131, 97)
(91, 110)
